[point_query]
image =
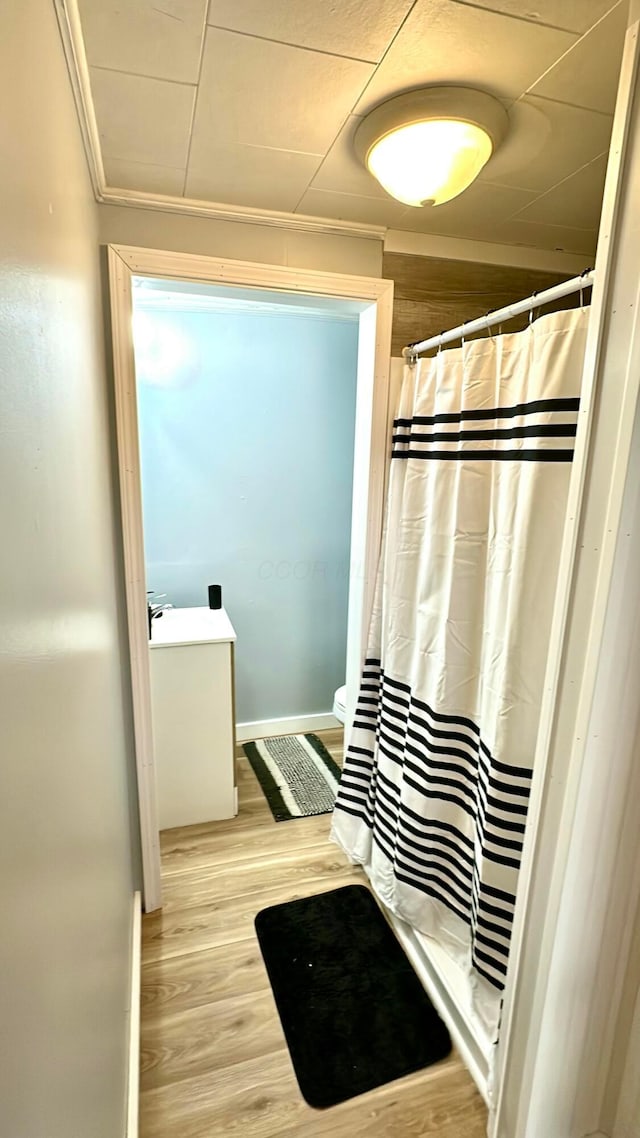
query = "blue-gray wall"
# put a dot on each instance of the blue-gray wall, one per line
(247, 456)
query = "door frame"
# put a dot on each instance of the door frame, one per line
(370, 460)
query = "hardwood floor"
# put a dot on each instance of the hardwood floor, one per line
(214, 1060)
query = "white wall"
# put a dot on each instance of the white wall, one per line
(154, 229)
(65, 741)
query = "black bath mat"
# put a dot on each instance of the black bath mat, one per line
(353, 1011)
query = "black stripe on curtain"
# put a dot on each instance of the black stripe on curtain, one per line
(409, 442)
(528, 431)
(489, 455)
(442, 758)
(534, 407)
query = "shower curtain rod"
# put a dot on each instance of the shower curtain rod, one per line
(483, 323)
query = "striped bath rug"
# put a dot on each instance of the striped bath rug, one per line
(297, 774)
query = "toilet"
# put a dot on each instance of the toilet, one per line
(340, 702)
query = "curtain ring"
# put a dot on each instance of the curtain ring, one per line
(533, 296)
(440, 343)
(462, 333)
(489, 324)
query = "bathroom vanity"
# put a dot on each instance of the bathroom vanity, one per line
(192, 696)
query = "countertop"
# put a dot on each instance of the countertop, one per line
(179, 627)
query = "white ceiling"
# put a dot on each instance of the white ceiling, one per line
(255, 103)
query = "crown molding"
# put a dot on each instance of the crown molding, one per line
(68, 17)
(192, 207)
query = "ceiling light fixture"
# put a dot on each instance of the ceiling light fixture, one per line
(427, 146)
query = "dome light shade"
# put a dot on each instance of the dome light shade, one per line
(429, 161)
(427, 146)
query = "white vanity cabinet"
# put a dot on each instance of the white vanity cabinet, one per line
(192, 698)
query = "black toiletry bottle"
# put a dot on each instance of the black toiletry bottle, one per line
(215, 596)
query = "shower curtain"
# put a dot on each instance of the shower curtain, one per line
(433, 798)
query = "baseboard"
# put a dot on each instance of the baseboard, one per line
(471, 1049)
(133, 1081)
(266, 728)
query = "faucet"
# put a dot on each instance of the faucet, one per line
(155, 608)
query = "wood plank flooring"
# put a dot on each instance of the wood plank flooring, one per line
(214, 1062)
